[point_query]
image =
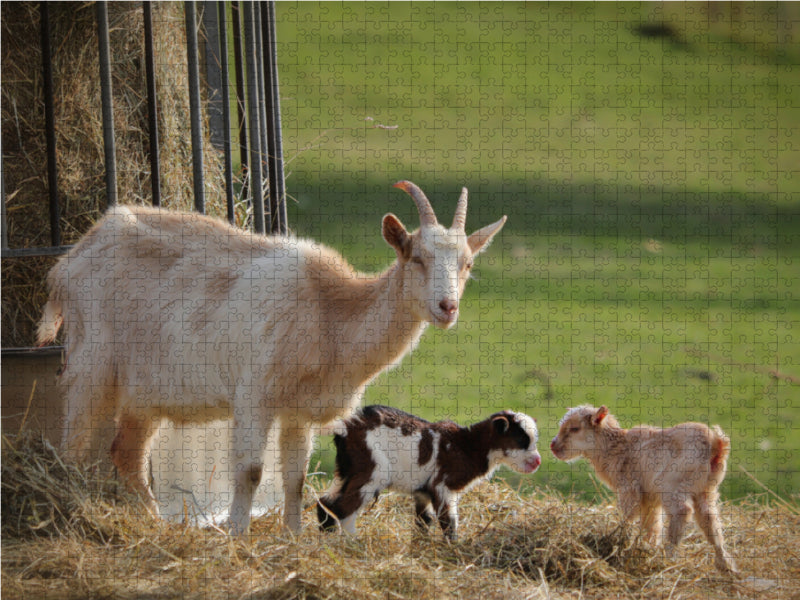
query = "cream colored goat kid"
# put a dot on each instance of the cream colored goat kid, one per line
(179, 316)
(679, 469)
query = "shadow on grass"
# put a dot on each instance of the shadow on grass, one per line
(335, 205)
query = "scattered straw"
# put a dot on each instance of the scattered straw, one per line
(69, 533)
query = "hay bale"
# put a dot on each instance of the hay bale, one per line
(44, 496)
(79, 133)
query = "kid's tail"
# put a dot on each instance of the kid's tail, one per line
(720, 449)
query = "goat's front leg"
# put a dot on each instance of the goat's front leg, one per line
(445, 505)
(650, 511)
(251, 427)
(296, 442)
(629, 502)
(422, 506)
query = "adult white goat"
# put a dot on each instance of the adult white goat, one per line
(179, 316)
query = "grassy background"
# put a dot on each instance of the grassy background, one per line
(649, 261)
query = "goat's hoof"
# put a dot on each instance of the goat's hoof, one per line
(728, 567)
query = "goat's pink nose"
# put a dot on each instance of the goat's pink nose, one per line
(448, 306)
(532, 464)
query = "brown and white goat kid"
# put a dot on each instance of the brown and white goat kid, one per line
(679, 469)
(384, 448)
(179, 316)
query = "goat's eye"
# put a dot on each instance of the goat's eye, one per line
(574, 429)
(468, 265)
(416, 260)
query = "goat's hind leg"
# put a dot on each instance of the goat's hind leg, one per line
(345, 499)
(339, 510)
(130, 453)
(90, 411)
(707, 517)
(680, 511)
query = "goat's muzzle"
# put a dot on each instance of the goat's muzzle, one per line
(447, 313)
(448, 307)
(554, 448)
(533, 464)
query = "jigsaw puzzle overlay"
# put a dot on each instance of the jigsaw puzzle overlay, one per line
(647, 159)
(650, 180)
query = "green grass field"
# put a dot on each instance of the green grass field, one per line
(650, 260)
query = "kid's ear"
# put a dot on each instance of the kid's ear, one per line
(500, 424)
(601, 414)
(396, 235)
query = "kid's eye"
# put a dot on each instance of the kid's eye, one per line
(574, 429)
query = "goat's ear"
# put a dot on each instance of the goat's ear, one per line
(500, 424)
(479, 240)
(396, 235)
(601, 414)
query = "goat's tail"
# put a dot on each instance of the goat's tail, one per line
(720, 449)
(50, 323)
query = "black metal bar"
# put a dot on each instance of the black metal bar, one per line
(256, 192)
(3, 221)
(226, 110)
(152, 103)
(211, 72)
(277, 182)
(266, 167)
(50, 127)
(32, 351)
(107, 103)
(262, 108)
(194, 105)
(240, 99)
(43, 251)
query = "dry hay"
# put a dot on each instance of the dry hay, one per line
(79, 133)
(44, 496)
(69, 534)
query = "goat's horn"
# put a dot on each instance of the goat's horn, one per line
(426, 214)
(460, 219)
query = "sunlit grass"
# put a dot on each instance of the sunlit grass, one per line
(649, 260)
